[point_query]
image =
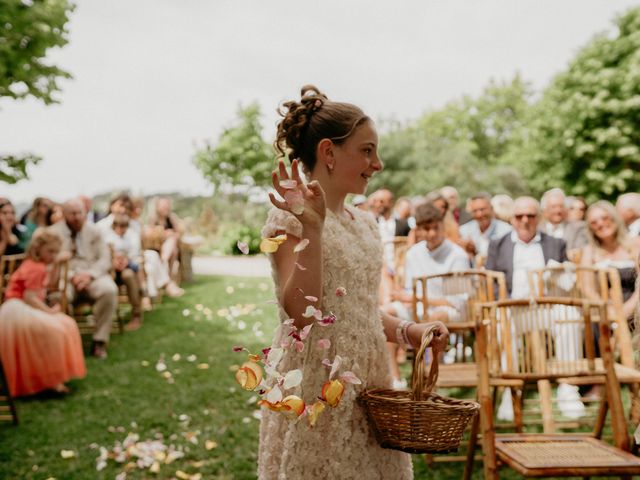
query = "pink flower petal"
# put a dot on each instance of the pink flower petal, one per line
(238, 348)
(328, 320)
(324, 344)
(289, 184)
(302, 244)
(311, 298)
(337, 361)
(295, 201)
(341, 291)
(292, 379)
(288, 321)
(304, 333)
(310, 311)
(350, 377)
(243, 247)
(300, 267)
(299, 346)
(326, 362)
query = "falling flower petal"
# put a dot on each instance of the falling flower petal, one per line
(326, 362)
(275, 355)
(335, 366)
(300, 267)
(299, 346)
(270, 245)
(274, 395)
(292, 379)
(304, 333)
(328, 320)
(314, 411)
(295, 200)
(311, 298)
(350, 377)
(243, 247)
(296, 404)
(288, 184)
(249, 375)
(332, 392)
(310, 311)
(324, 344)
(238, 348)
(341, 291)
(302, 244)
(288, 321)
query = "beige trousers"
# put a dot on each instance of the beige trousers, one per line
(130, 279)
(103, 293)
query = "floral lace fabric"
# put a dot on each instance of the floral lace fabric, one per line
(342, 444)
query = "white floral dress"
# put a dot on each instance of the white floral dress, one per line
(341, 445)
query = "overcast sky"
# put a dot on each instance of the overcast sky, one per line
(154, 78)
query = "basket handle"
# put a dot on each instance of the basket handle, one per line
(417, 383)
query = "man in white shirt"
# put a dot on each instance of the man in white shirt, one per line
(555, 213)
(476, 234)
(628, 206)
(433, 254)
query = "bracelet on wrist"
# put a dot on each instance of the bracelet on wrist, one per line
(402, 338)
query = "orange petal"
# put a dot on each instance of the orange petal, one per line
(295, 403)
(315, 411)
(332, 392)
(270, 245)
(249, 375)
(276, 407)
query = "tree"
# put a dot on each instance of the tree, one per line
(463, 144)
(28, 29)
(240, 157)
(583, 134)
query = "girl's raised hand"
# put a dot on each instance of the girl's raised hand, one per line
(305, 201)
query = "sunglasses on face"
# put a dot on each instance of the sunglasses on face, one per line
(520, 216)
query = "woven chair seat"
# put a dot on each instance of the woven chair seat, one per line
(556, 455)
(465, 375)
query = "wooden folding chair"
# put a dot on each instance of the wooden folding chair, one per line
(400, 247)
(550, 339)
(571, 281)
(8, 265)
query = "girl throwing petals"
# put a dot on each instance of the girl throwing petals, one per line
(327, 274)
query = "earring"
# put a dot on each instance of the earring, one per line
(330, 168)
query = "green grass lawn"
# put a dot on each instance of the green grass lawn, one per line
(195, 403)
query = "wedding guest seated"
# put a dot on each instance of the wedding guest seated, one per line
(433, 254)
(40, 346)
(515, 254)
(11, 233)
(502, 205)
(611, 247)
(450, 194)
(55, 214)
(451, 230)
(37, 216)
(555, 213)
(125, 246)
(576, 209)
(165, 226)
(89, 271)
(628, 206)
(476, 234)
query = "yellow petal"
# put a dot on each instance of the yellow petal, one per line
(155, 468)
(270, 245)
(249, 375)
(332, 392)
(315, 411)
(295, 403)
(210, 444)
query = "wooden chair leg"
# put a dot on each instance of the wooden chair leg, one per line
(517, 399)
(546, 405)
(601, 417)
(634, 411)
(471, 451)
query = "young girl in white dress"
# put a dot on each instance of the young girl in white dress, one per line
(336, 143)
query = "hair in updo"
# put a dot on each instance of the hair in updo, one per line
(312, 119)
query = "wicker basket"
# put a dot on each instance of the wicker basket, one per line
(418, 421)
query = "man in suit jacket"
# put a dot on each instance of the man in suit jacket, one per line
(89, 270)
(524, 249)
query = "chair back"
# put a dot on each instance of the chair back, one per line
(8, 265)
(400, 247)
(545, 338)
(462, 290)
(578, 282)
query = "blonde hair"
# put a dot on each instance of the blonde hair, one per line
(42, 237)
(621, 230)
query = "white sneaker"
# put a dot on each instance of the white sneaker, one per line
(399, 384)
(505, 410)
(569, 401)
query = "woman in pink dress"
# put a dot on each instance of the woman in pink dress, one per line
(40, 347)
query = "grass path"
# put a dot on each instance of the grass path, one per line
(196, 403)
